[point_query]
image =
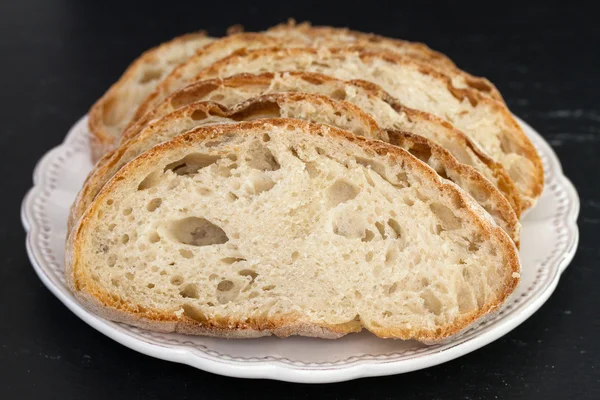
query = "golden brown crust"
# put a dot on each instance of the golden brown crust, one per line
(88, 292)
(520, 140)
(101, 140)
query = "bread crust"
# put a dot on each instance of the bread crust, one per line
(110, 306)
(529, 195)
(101, 140)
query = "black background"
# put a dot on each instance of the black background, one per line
(57, 57)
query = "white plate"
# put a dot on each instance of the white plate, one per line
(549, 240)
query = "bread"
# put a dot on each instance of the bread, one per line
(109, 116)
(420, 51)
(287, 227)
(309, 107)
(184, 73)
(485, 121)
(387, 111)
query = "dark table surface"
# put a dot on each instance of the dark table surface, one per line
(57, 57)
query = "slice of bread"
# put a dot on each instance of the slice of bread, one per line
(109, 116)
(311, 107)
(387, 111)
(288, 227)
(420, 51)
(487, 122)
(184, 73)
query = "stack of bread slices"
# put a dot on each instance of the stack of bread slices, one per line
(300, 181)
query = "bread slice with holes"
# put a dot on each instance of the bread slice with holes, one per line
(287, 227)
(109, 116)
(387, 111)
(487, 122)
(311, 107)
(184, 73)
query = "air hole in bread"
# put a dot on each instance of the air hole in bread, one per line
(154, 204)
(409, 202)
(199, 115)
(448, 220)
(375, 166)
(110, 202)
(395, 227)
(154, 237)
(431, 302)
(185, 253)
(441, 171)
(340, 192)
(232, 260)
(349, 226)
(295, 256)
(225, 286)
(393, 288)
(369, 257)
(294, 153)
(248, 272)
(150, 286)
(420, 151)
(357, 294)
(402, 180)
(195, 231)
(151, 180)
(319, 151)
(259, 182)
(112, 227)
(381, 229)
(369, 235)
(189, 291)
(266, 137)
(192, 163)
(232, 196)
(312, 169)
(127, 211)
(125, 239)
(261, 158)
(112, 260)
(177, 280)
(268, 287)
(386, 314)
(473, 247)
(338, 94)
(129, 276)
(150, 74)
(194, 313)
(226, 291)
